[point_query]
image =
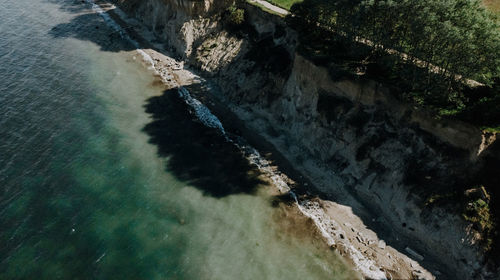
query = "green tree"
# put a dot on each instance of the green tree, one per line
(460, 37)
(236, 15)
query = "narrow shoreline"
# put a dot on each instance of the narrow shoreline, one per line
(340, 228)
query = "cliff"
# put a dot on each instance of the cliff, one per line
(350, 137)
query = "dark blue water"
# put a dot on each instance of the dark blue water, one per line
(104, 175)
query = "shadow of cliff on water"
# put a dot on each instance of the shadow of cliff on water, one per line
(72, 6)
(91, 27)
(196, 154)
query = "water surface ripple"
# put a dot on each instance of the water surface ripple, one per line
(104, 175)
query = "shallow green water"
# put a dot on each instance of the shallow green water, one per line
(103, 175)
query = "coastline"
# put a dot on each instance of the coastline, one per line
(340, 227)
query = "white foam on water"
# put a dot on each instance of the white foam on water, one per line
(328, 227)
(115, 26)
(311, 209)
(147, 58)
(201, 111)
(263, 165)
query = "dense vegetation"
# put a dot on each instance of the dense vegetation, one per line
(235, 16)
(493, 5)
(429, 49)
(459, 36)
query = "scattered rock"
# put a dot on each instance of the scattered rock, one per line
(418, 274)
(381, 244)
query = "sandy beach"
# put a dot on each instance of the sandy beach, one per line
(340, 228)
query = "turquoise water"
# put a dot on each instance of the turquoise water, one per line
(105, 175)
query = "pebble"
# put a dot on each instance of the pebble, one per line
(414, 254)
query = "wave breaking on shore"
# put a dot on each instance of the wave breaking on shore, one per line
(329, 229)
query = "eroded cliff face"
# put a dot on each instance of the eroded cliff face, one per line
(351, 138)
(182, 24)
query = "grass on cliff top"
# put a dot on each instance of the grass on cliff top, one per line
(287, 4)
(493, 5)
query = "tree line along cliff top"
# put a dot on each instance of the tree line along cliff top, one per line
(428, 49)
(493, 5)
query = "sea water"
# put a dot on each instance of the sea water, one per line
(104, 174)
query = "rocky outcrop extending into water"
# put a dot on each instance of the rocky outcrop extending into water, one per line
(358, 145)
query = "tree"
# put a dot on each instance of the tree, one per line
(448, 37)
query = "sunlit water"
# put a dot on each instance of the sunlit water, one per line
(103, 175)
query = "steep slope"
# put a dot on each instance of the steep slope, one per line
(351, 139)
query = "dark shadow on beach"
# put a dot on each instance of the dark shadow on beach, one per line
(197, 155)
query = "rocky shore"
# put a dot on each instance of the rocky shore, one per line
(369, 237)
(340, 227)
